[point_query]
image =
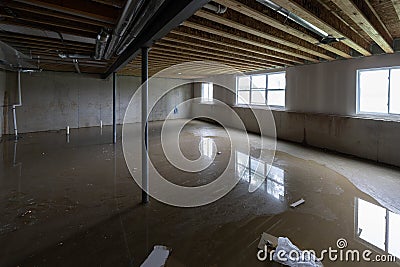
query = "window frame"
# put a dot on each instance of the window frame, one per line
(266, 90)
(358, 96)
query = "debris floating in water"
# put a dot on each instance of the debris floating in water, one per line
(157, 257)
(297, 203)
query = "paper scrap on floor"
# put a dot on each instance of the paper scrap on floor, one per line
(297, 203)
(267, 238)
(157, 257)
(285, 250)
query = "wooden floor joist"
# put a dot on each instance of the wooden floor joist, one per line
(280, 53)
(196, 57)
(241, 48)
(187, 52)
(230, 52)
(258, 15)
(207, 51)
(327, 22)
(268, 35)
(360, 12)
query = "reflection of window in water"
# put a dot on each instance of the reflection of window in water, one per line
(206, 147)
(254, 171)
(275, 183)
(377, 226)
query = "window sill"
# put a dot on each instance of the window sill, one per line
(378, 116)
(278, 108)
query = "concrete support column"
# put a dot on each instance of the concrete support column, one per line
(145, 91)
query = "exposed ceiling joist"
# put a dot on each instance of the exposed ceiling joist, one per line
(396, 5)
(268, 35)
(56, 14)
(363, 14)
(318, 15)
(191, 55)
(212, 53)
(85, 9)
(242, 48)
(215, 47)
(258, 15)
(274, 52)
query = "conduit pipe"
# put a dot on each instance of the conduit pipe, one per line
(19, 104)
(128, 14)
(76, 65)
(150, 9)
(101, 43)
(74, 56)
(293, 17)
(219, 9)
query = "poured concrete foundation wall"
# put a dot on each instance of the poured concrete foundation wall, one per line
(321, 110)
(2, 95)
(54, 100)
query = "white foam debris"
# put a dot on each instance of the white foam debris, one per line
(297, 203)
(157, 258)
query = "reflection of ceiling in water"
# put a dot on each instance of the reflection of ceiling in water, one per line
(377, 226)
(254, 171)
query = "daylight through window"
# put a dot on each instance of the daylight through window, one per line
(262, 89)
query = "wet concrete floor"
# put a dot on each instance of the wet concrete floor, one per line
(75, 203)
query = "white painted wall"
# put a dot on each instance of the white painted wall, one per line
(53, 100)
(330, 87)
(321, 110)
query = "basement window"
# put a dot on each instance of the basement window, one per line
(261, 89)
(207, 92)
(378, 91)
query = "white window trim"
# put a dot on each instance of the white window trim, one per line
(273, 107)
(374, 115)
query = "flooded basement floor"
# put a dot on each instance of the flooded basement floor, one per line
(75, 203)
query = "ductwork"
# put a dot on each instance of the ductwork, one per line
(13, 60)
(219, 9)
(137, 25)
(293, 17)
(75, 56)
(101, 43)
(128, 15)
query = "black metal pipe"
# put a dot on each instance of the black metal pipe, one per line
(145, 91)
(114, 108)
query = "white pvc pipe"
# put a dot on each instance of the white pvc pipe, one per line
(67, 130)
(19, 104)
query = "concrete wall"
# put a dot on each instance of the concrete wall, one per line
(2, 93)
(53, 100)
(321, 110)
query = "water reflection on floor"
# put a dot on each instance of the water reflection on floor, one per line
(75, 204)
